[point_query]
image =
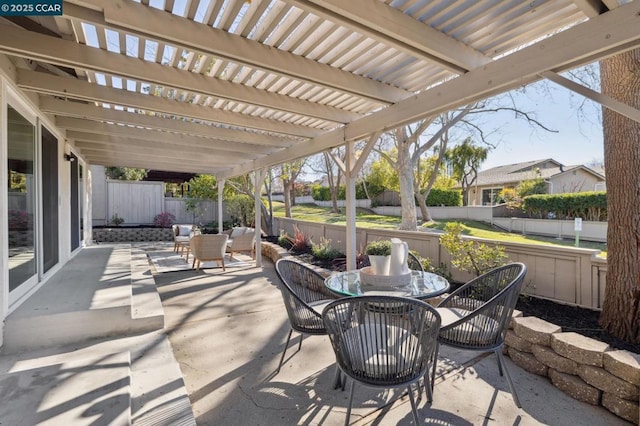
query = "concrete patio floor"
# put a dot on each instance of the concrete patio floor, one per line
(228, 329)
(223, 335)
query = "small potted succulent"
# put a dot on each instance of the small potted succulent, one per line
(379, 253)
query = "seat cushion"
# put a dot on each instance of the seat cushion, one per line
(476, 329)
(377, 359)
(236, 232)
(181, 239)
(185, 230)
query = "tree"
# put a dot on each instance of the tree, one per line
(466, 159)
(410, 147)
(620, 79)
(125, 173)
(381, 176)
(414, 140)
(531, 187)
(201, 188)
(244, 185)
(289, 172)
(334, 175)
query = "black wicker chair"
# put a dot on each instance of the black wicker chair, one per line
(414, 262)
(391, 346)
(304, 295)
(476, 316)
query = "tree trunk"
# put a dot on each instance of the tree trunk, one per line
(334, 200)
(465, 196)
(422, 203)
(286, 185)
(405, 178)
(620, 79)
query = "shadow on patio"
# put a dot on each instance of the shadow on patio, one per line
(228, 329)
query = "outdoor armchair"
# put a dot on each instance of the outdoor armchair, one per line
(208, 247)
(476, 316)
(304, 295)
(181, 235)
(390, 346)
(242, 244)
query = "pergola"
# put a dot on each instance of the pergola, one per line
(227, 87)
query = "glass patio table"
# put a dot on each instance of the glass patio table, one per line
(423, 285)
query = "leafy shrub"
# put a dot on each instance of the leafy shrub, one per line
(586, 205)
(379, 248)
(321, 193)
(468, 255)
(164, 219)
(324, 251)
(241, 207)
(444, 197)
(531, 187)
(430, 267)
(116, 220)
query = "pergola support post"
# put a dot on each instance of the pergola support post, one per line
(221, 183)
(258, 181)
(350, 206)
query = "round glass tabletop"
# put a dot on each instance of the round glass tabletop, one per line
(423, 285)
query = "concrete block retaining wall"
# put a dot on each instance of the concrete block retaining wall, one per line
(583, 368)
(122, 235)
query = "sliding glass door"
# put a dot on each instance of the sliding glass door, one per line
(21, 205)
(50, 250)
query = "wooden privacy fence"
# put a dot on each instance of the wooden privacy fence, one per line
(138, 203)
(566, 275)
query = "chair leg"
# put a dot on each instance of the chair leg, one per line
(435, 364)
(284, 351)
(300, 344)
(222, 261)
(500, 370)
(506, 374)
(193, 265)
(428, 388)
(337, 381)
(346, 421)
(414, 409)
(198, 265)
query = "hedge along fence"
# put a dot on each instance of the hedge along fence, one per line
(323, 193)
(586, 205)
(444, 198)
(436, 198)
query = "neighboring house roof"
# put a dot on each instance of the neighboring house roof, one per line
(512, 174)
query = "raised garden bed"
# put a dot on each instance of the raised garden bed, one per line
(122, 234)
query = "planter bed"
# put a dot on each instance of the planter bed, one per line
(122, 234)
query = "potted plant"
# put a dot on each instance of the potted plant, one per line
(379, 253)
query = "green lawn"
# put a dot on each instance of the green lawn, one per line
(366, 219)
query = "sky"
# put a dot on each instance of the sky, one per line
(578, 139)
